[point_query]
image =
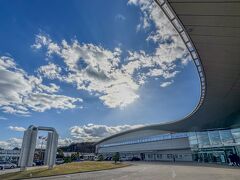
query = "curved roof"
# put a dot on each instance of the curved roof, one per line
(213, 27)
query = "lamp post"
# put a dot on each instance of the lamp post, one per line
(42, 138)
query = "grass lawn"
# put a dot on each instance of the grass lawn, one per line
(75, 167)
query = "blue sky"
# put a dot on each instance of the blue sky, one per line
(90, 68)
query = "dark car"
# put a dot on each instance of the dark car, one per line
(108, 159)
(39, 163)
(135, 159)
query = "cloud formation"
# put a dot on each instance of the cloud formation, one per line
(22, 93)
(89, 132)
(16, 128)
(116, 79)
(94, 132)
(120, 17)
(64, 141)
(166, 84)
(17, 142)
(11, 143)
(3, 118)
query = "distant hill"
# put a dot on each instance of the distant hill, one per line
(83, 147)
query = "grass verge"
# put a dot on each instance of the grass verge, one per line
(69, 168)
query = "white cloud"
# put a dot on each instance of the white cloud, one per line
(64, 141)
(20, 93)
(42, 101)
(103, 72)
(170, 46)
(120, 17)
(17, 142)
(50, 71)
(11, 143)
(95, 69)
(94, 132)
(16, 128)
(166, 84)
(3, 118)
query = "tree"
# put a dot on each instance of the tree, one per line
(67, 159)
(60, 153)
(116, 157)
(100, 157)
(75, 157)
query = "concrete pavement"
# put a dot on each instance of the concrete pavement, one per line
(18, 169)
(158, 171)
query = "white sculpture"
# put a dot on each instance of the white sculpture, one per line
(29, 144)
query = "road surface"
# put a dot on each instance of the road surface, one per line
(158, 171)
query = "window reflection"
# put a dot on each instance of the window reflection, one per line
(236, 135)
(226, 136)
(196, 139)
(203, 139)
(214, 137)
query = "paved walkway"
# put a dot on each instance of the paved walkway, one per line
(159, 171)
(18, 169)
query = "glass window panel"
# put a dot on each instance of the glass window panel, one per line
(214, 137)
(226, 136)
(161, 1)
(236, 135)
(197, 62)
(177, 25)
(167, 136)
(192, 137)
(190, 47)
(184, 36)
(194, 54)
(168, 11)
(203, 139)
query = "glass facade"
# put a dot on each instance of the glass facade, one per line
(207, 146)
(9, 155)
(214, 146)
(160, 137)
(216, 138)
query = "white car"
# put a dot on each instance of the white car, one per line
(59, 161)
(7, 165)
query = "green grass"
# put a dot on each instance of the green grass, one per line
(68, 168)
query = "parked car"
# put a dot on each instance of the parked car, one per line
(108, 159)
(124, 159)
(59, 161)
(135, 159)
(7, 165)
(39, 163)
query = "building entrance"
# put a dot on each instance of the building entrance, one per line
(215, 155)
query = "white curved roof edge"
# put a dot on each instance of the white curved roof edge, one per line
(177, 24)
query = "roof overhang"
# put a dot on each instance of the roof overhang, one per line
(213, 29)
